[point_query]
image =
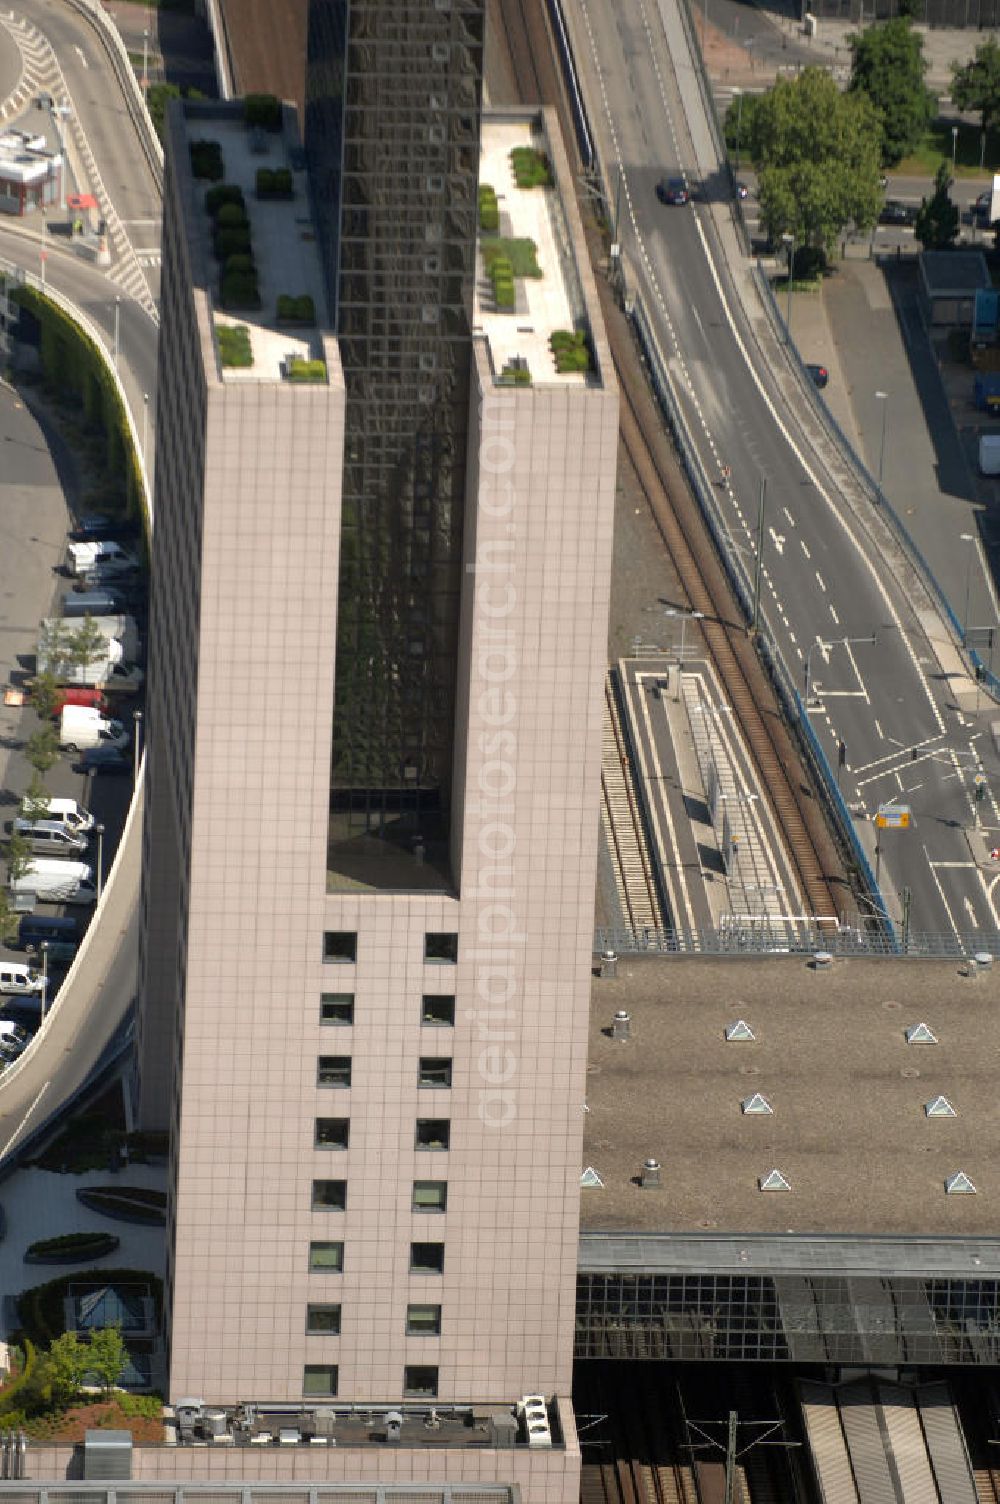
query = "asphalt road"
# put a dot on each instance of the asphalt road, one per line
(826, 576)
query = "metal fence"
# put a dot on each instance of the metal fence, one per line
(864, 936)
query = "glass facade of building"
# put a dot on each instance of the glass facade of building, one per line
(392, 136)
(805, 1318)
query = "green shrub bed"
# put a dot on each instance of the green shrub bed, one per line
(206, 161)
(301, 310)
(72, 1248)
(570, 350)
(263, 111)
(274, 182)
(306, 370)
(489, 210)
(10, 1394)
(515, 373)
(239, 290)
(501, 275)
(222, 195)
(234, 345)
(126, 1203)
(41, 1309)
(531, 168)
(522, 255)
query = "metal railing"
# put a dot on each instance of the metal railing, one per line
(864, 937)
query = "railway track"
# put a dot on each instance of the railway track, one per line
(522, 25)
(637, 890)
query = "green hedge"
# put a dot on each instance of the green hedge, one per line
(306, 370)
(240, 290)
(242, 261)
(521, 254)
(222, 194)
(40, 1309)
(22, 1380)
(300, 310)
(489, 209)
(71, 1248)
(274, 182)
(501, 274)
(231, 242)
(231, 216)
(74, 367)
(206, 160)
(234, 345)
(262, 110)
(531, 167)
(570, 350)
(514, 373)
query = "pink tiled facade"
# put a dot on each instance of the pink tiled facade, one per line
(232, 1029)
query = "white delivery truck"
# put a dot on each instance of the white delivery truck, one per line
(83, 557)
(82, 726)
(989, 454)
(65, 812)
(109, 674)
(52, 880)
(19, 980)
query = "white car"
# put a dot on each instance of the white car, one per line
(19, 980)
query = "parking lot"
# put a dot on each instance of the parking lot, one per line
(40, 501)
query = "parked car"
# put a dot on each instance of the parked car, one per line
(60, 933)
(819, 374)
(65, 812)
(82, 727)
(672, 191)
(116, 572)
(14, 1040)
(83, 557)
(19, 979)
(78, 694)
(105, 759)
(98, 526)
(895, 212)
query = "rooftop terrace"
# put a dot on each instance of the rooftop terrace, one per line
(532, 232)
(864, 1128)
(268, 169)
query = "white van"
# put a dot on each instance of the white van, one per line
(50, 880)
(83, 557)
(124, 629)
(65, 812)
(989, 454)
(18, 979)
(82, 726)
(51, 838)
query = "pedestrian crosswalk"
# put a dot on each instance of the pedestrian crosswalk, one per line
(41, 74)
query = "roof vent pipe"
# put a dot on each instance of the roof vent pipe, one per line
(650, 1179)
(609, 964)
(622, 1026)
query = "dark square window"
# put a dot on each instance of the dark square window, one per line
(420, 1381)
(336, 1008)
(426, 1258)
(328, 1258)
(434, 1071)
(423, 1321)
(333, 1070)
(340, 946)
(329, 1195)
(319, 1380)
(430, 1196)
(441, 948)
(433, 1133)
(437, 1008)
(323, 1320)
(332, 1133)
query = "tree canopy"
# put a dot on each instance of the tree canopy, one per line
(889, 67)
(975, 85)
(937, 218)
(817, 153)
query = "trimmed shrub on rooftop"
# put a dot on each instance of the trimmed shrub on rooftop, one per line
(569, 348)
(306, 370)
(501, 275)
(234, 345)
(531, 167)
(263, 110)
(489, 209)
(522, 255)
(274, 182)
(515, 373)
(224, 193)
(71, 1248)
(242, 261)
(239, 290)
(206, 161)
(301, 310)
(231, 216)
(231, 242)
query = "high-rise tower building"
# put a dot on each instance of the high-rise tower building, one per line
(370, 1044)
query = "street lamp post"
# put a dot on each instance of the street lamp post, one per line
(967, 538)
(788, 241)
(99, 833)
(685, 617)
(883, 398)
(44, 948)
(136, 736)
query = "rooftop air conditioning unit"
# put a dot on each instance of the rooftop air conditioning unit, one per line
(534, 1413)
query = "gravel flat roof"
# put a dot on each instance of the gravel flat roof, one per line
(848, 1130)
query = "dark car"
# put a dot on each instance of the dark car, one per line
(819, 374)
(104, 760)
(895, 212)
(672, 191)
(98, 527)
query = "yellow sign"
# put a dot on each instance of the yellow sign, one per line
(893, 817)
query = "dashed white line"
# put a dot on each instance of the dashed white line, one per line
(820, 582)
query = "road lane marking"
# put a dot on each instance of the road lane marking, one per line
(937, 884)
(820, 582)
(805, 548)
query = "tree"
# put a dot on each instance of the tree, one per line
(18, 855)
(889, 67)
(88, 645)
(937, 218)
(35, 801)
(42, 749)
(817, 153)
(45, 693)
(53, 649)
(9, 920)
(64, 1367)
(106, 1355)
(975, 85)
